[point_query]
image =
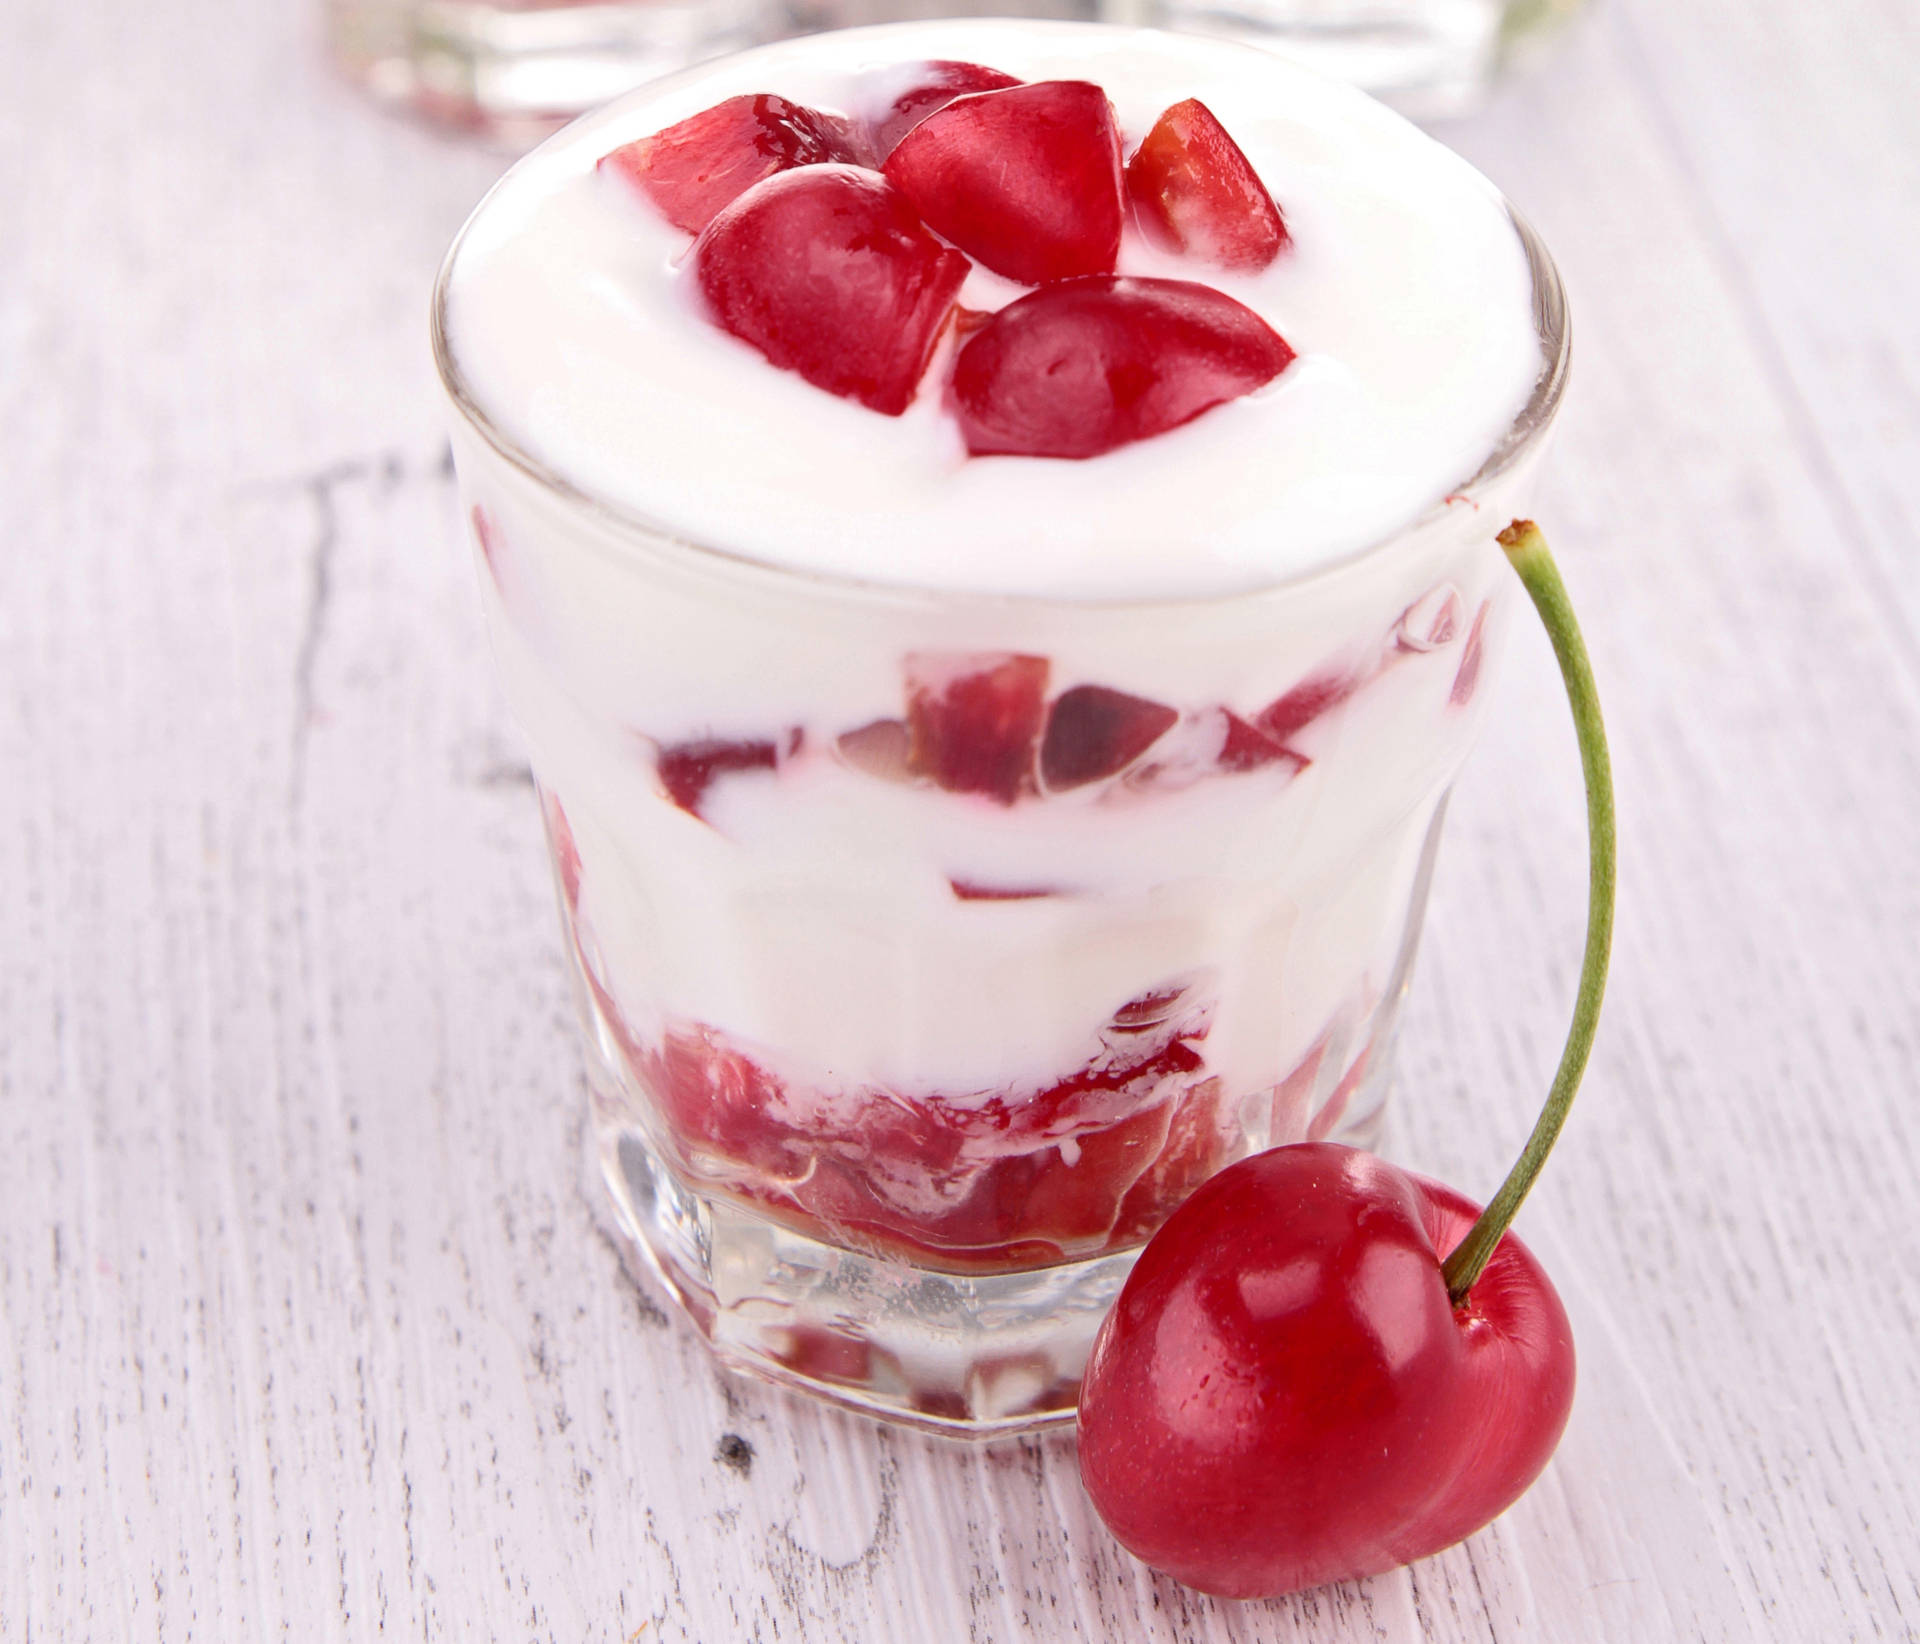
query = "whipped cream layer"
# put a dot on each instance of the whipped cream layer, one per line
(1406, 293)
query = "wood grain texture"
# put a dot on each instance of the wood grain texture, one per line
(307, 1328)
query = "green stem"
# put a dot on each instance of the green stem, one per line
(1527, 553)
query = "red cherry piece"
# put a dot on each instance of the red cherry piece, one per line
(688, 769)
(1194, 1149)
(1248, 749)
(1284, 1396)
(1094, 732)
(1082, 367)
(1026, 180)
(1186, 755)
(827, 272)
(827, 1355)
(973, 720)
(1021, 1178)
(938, 85)
(968, 890)
(694, 168)
(1300, 707)
(1193, 191)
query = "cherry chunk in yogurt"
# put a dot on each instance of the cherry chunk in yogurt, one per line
(838, 246)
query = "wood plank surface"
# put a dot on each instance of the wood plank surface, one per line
(308, 1329)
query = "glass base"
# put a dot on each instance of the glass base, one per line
(516, 72)
(960, 1355)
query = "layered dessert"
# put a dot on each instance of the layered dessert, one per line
(987, 528)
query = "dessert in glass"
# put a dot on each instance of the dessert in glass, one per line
(988, 531)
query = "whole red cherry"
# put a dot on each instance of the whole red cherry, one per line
(1322, 1366)
(1285, 1396)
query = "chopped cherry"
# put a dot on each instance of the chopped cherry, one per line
(1195, 1148)
(1082, 367)
(1305, 703)
(692, 169)
(688, 769)
(827, 1355)
(1195, 192)
(1022, 1178)
(938, 85)
(1208, 743)
(967, 890)
(1026, 180)
(1247, 748)
(974, 720)
(827, 271)
(1094, 732)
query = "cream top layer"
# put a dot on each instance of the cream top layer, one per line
(1406, 294)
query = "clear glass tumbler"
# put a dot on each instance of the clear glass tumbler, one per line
(905, 1022)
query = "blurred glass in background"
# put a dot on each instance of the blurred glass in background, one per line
(1426, 57)
(513, 70)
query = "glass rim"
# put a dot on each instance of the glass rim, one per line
(1552, 330)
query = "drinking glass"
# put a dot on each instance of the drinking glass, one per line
(892, 1073)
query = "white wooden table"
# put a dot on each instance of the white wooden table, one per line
(306, 1328)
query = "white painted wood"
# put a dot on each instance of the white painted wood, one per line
(306, 1328)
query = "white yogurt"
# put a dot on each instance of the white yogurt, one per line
(1405, 294)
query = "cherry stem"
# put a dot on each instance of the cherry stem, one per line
(1527, 552)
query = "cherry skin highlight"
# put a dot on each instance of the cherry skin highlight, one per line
(1284, 1395)
(1094, 732)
